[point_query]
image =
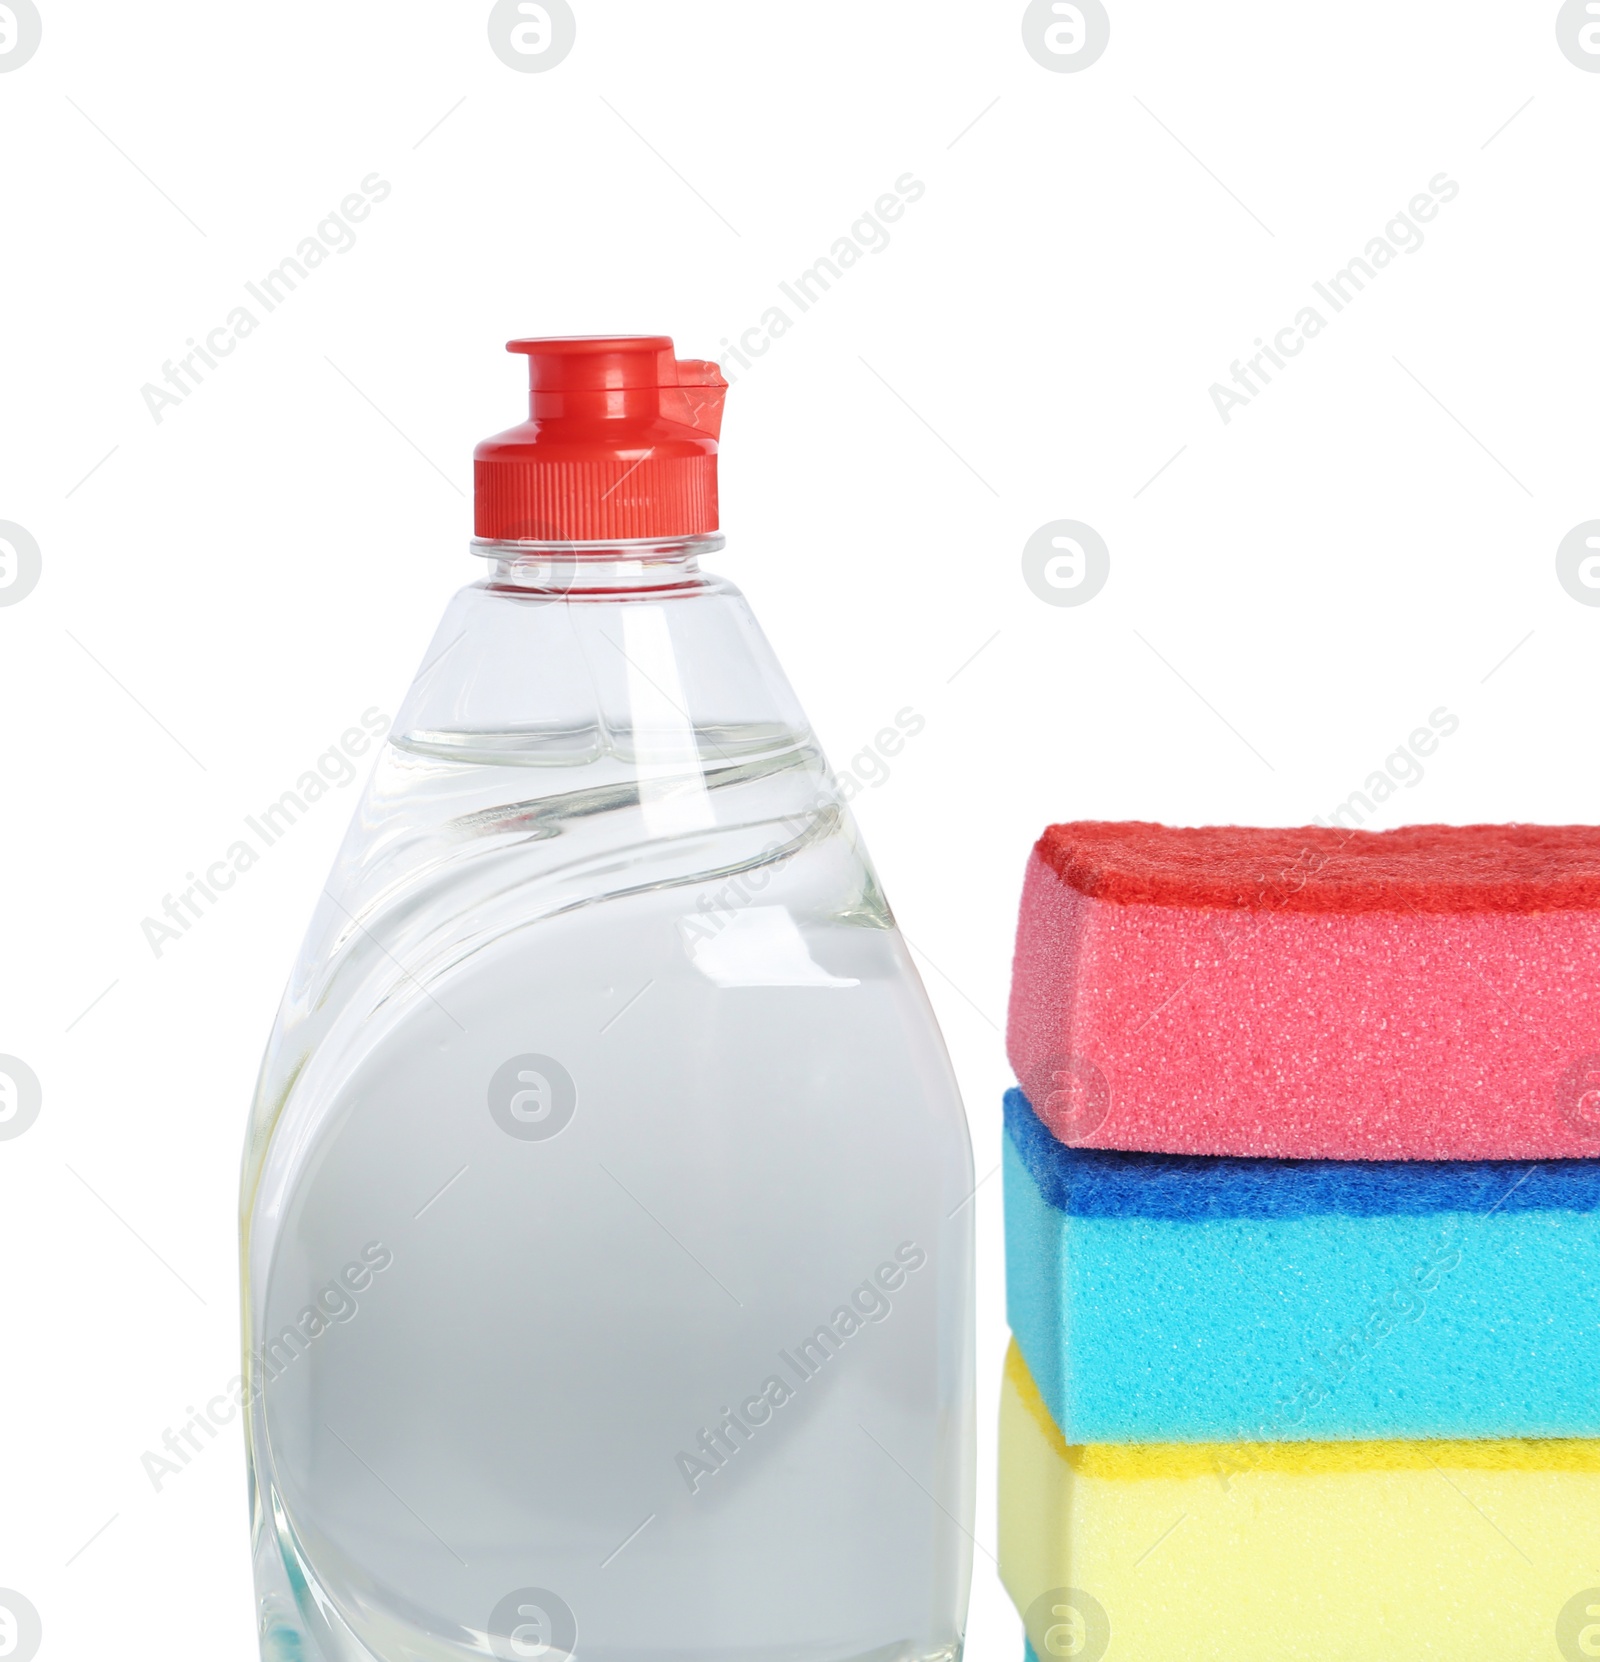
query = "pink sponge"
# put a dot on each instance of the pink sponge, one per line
(1431, 993)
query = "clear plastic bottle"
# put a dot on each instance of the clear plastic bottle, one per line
(608, 1272)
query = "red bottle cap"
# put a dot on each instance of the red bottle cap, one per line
(621, 442)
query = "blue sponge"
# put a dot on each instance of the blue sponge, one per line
(1161, 1298)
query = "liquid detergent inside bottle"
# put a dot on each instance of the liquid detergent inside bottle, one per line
(606, 1239)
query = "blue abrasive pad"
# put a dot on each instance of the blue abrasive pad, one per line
(1162, 1298)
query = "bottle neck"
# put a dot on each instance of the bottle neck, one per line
(596, 570)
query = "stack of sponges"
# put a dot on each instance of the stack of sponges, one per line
(1303, 1245)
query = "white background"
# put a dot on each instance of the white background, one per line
(223, 592)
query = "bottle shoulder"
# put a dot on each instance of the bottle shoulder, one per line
(562, 771)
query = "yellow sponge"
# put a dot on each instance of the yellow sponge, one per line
(1278, 1552)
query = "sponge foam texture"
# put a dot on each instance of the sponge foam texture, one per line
(1426, 994)
(1188, 1301)
(1345, 1552)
